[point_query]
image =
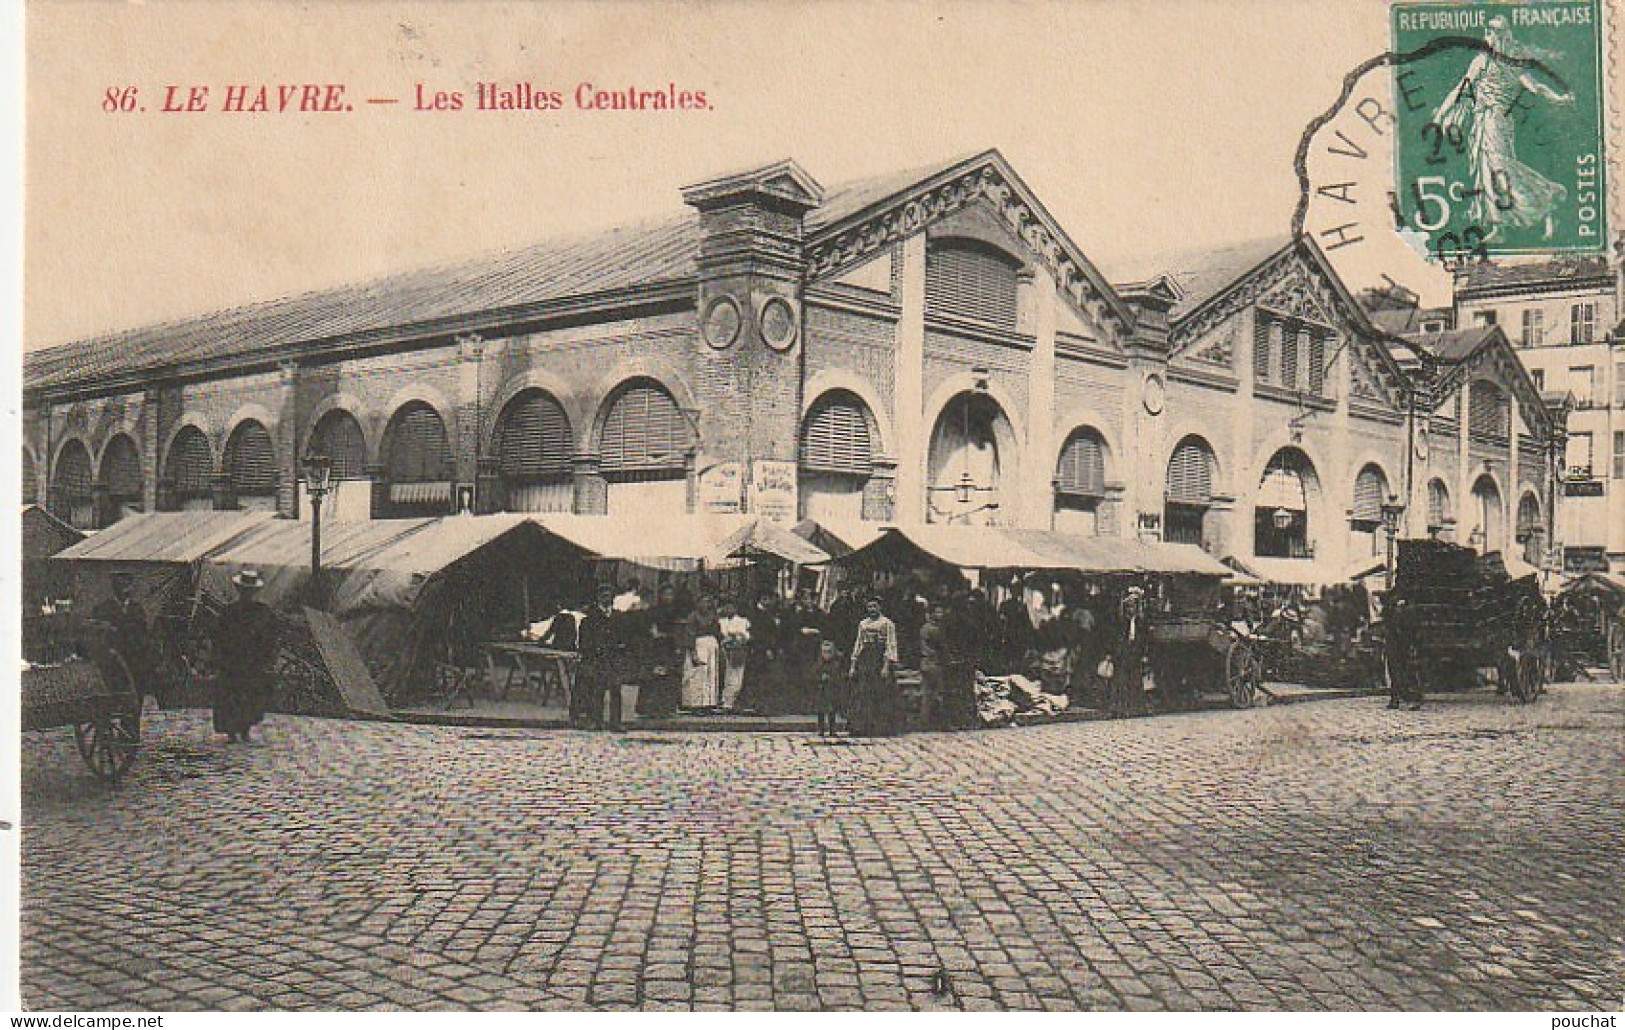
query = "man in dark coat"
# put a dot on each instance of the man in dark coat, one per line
(132, 636)
(602, 664)
(246, 639)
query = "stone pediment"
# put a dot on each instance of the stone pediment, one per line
(988, 182)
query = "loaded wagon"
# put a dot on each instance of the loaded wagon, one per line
(1192, 651)
(86, 685)
(1457, 619)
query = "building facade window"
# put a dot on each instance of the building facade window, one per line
(1531, 530)
(836, 457)
(972, 280)
(1365, 514)
(1281, 517)
(1489, 529)
(338, 435)
(1188, 494)
(121, 480)
(189, 471)
(1582, 323)
(30, 478)
(644, 449)
(534, 442)
(972, 463)
(73, 500)
(1289, 354)
(1578, 456)
(1439, 517)
(1619, 454)
(1538, 377)
(418, 464)
(1583, 381)
(1080, 483)
(250, 465)
(1534, 327)
(1484, 317)
(1489, 412)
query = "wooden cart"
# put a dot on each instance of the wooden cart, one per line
(95, 694)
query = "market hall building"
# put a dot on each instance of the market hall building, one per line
(925, 347)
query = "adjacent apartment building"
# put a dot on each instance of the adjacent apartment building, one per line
(1564, 318)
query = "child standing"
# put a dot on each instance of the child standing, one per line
(830, 684)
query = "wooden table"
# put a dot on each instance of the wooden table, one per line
(549, 669)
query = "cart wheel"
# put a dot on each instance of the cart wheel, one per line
(1242, 674)
(109, 742)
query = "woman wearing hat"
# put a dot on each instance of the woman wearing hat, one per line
(246, 639)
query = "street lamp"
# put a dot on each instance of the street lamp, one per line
(1391, 511)
(318, 480)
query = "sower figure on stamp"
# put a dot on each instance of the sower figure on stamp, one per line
(246, 639)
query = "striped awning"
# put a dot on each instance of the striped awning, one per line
(420, 493)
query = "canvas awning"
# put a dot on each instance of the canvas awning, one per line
(839, 537)
(1298, 572)
(684, 542)
(167, 538)
(999, 548)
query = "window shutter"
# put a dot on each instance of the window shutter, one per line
(30, 479)
(836, 439)
(1261, 347)
(1487, 411)
(533, 437)
(1289, 358)
(1190, 474)
(645, 432)
(190, 464)
(1438, 504)
(1528, 517)
(1317, 364)
(1082, 468)
(251, 460)
(971, 282)
(338, 435)
(1370, 487)
(121, 468)
(418, 451)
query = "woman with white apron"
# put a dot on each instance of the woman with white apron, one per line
(702, 667)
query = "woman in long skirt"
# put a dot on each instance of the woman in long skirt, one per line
(876, 711)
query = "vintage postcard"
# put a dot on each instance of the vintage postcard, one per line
(740, 506)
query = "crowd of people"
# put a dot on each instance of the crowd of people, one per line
(690, 650)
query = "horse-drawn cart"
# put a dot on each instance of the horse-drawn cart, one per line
(96, 694)
(1191, 649)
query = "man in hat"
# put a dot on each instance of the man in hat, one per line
(131, 634)
(246, 639)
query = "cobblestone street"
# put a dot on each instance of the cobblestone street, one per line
(1325, 855)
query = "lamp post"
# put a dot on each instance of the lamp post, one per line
(1391, 511)
(318, 480)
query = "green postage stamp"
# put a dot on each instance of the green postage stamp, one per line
(1500, 127)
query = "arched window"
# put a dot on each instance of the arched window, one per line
(1080, 483)
(73, 502)
(1489, 530)
(189, 471)
(418, 463)
(121, 479)
(1531, 529)
(1189, 491)
(250, 465)
(836, 457)
(534, 445)
(1281, 517)
(338, 435)
(1489, 413)
(1365, 514)
(1439, 517)
(643, 450)
(972, 280)
(30, 478)
(645, 434)
(972, 463)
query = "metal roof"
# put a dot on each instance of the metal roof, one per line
(1203, 274)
